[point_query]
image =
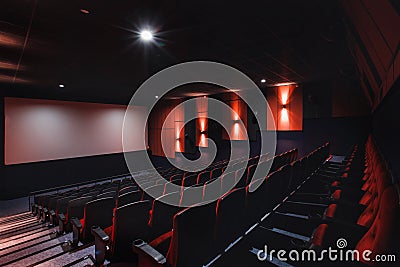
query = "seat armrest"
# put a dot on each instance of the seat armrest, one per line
(148, 256)
(45, 214)
(39, 211)
(101, 240)
(52, 218)
(34, 208)
(61, 217)
(98, 233)
(61, 223)
(76, 231)
(76, 223)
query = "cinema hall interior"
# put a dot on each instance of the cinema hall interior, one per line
(172, 133)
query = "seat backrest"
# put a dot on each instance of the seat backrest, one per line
(286, 178)
(189, 180)
(162, 214)
(97, 212)
(129, 223)
(107, 194)
(62, 203)
(127, 189)
(250, 172)
(230, 220)
(153, 192)
(52, 205)
(297, 174)
(254, 160)
(76, 207)
(241, 179)
(216, 172)
(191, 195)
(211, 189)
(128, 198)
(383, 235)
(203, 177)
(227, 182)
(256, 198)
(192, 239)
(275, 188)
(108, 189)
(177, 176)
(174, 186)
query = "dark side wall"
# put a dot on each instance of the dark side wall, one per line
(386, 129)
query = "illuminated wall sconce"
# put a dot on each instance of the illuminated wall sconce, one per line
(203, 132)
(177, 139)
(236, 121)
(284, 106)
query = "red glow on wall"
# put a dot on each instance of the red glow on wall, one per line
(179, 136)
(166, 125)
(283, 122)
(236, 119)
(283, 92)
(286, 103)
(10, 40)
(202, 121)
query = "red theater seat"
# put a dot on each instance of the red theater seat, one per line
(130, 222)
(191, 240)
(98, 212)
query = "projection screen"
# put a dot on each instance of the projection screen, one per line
(41, 130)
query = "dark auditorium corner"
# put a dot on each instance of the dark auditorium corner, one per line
(297, 157)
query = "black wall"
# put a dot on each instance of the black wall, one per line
(20, 179)
(386, 129)
(342, 133)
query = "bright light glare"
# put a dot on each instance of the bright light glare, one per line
(146, 35)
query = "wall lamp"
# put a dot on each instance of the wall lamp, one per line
(203, 132)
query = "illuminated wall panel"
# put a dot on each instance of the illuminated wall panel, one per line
(286, 104)
(202, 121)
(166, 130)
(239, 112)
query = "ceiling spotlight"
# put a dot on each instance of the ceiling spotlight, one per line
(156, 96)
(61, 85)
(263, 81)
(146, 35)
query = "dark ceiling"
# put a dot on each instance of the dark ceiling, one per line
(98, 56)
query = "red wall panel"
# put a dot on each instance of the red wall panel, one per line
(286, 103)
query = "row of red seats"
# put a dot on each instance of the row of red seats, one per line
(364, 206)
(197, 232)
(119, 237)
